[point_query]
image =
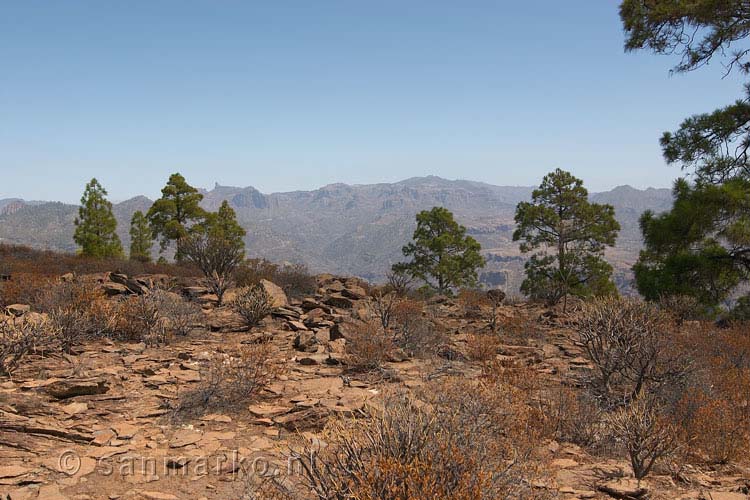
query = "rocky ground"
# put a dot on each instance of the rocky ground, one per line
(98, 424)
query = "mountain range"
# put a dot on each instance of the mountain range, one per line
(354, 229)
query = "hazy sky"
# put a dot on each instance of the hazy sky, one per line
(285, 95)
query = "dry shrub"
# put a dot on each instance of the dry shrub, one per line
(683, 307)
(645, 433)
(294, 279)
(482, 347)
(713, 414)
(520, 326)
(78, 311)
(24, 288)
(405, 312)
(399, 283)
(180, 315)
(714, 430)
(139, 320)
(382, 303)
(253, 304)
(18, 338)
(576, 417)
(416, 332)
(628, 342)
(368, 347)
(26, 260)
(472, 302)
(447, 448)
(231, 380)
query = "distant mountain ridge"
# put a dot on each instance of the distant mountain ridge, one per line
(354, 229)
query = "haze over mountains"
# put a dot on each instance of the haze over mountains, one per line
(353, 229)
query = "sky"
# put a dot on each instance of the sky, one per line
(290, 95)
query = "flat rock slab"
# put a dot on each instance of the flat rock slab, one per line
(70, 388)
(9, 471)
(184, 437)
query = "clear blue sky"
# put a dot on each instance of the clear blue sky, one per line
(285, 95)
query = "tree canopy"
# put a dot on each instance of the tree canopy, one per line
(701, 247)
(96, 225)
(178, 209)
(140, 238)
(571, 234)
(443, 256)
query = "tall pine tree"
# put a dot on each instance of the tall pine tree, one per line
(443, 255)
(141, 238)
(96, 225)
(178, 210)
(571, 235)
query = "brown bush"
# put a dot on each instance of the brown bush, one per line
(628, 342)
(368, 347)
(24, 288)
(230, 381)
(25, 260)
(78, 311)
(645, 433)
(294, 279)
(714, 430)
(399, 283)
(482, 347)
(682, 307)
(449, 448)
(472, 302)
(20, 338)
(180, 315)
(576, 417)
(382, 303)
(253, 304)
(139, 320)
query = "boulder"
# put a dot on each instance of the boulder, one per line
(278, 297)
(70, 388)
(338, 300)
(354, 292)
(305, 341)
(111, 289)
(340, 331)
(135, 286)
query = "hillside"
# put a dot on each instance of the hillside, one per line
(356, 229)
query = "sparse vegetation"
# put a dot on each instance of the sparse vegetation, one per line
(230, 380)
(294, 279)
(253, 304)
(20, 338)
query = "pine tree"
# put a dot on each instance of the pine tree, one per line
(140, 238)
(223, 224)
(96, 225)
(571, 234)
(443, 256)
(172, 215)
(701, 247)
